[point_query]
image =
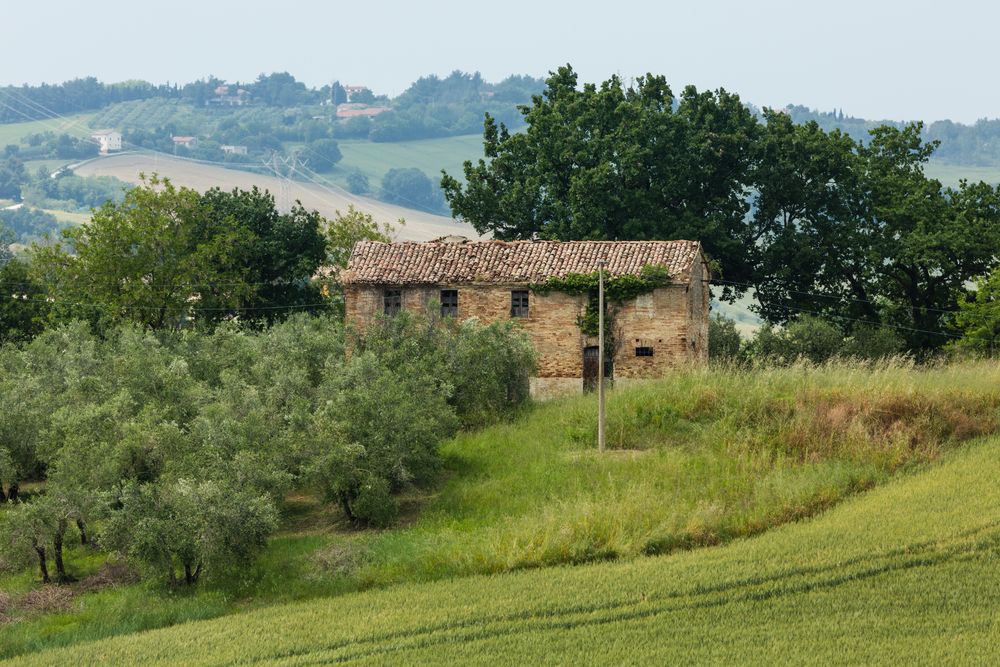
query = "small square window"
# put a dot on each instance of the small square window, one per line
(392, 302)
(449, 303)
(519, 303)
(643, 351)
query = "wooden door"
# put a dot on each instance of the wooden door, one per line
(591, 362)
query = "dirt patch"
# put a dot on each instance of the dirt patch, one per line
(47, 599)
(336, 559)
(6, 602)
(109, 576)
(924, 425)
(617, 454)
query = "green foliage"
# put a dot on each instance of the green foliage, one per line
(410, 384)
(412, 188)
(323, 153)
(143, 260)
(12, 176)
(357, 183)
(817, 340)
(75, 193)
(858, 232)
(28, 224)
(275, 256)
(191, 527)
(165, 256)
(870, 342)
(807, 337)
(617, 290)
(881, 567)
(388, 421)
(724, 341)
(344, 230)
(23, 311)
(616, 162)
(816, 222)
(178, 448)
(978, 316)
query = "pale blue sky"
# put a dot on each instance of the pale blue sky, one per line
(876, 59)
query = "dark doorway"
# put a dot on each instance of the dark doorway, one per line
(590, 368)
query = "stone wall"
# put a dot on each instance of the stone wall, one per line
(672, 320)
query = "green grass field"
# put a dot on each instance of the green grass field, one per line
(950, 174)
(76, 125)
(702, 458)
(429, 155)
(905, 573)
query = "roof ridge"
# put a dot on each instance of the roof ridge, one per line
(519, 261)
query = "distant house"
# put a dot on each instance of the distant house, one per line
(109, 140)
(234, 150)
(226, 96)
(356, 110)
(354, 90)
(185, 142)
(492, 281)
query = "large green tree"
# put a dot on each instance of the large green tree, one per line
(859, 234)
(276, 255)
(166, 256)
(617, 162)
(151, 259)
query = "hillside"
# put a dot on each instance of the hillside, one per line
(699, 459)
(899, 574)
(419, 226)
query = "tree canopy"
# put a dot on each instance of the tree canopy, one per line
(165, 254)
(815, 222)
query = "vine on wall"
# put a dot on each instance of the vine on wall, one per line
(617, 290)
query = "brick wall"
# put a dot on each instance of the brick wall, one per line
(672, 320)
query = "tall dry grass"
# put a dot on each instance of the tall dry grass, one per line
(698, 458)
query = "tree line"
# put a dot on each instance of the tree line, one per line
(174, 450)
(814, 222)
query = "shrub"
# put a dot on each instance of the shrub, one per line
(724, 341)
(357, 183)
(807, 337)
(191, 527)
(870, 342)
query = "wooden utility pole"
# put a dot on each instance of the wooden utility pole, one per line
(600, 355)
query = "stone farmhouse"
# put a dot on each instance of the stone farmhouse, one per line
(494, 280)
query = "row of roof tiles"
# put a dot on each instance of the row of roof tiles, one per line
(462, 261)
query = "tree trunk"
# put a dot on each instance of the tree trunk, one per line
(82, 527)
(346, 505)
(3, 497)
(57, 543)
(197, 572)
(13, 491)
(188, 574)
(43, 565)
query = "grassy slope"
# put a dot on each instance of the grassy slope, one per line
(429, 155)
(76, 125)
(904, 573)
(951, 174)
(725, 455)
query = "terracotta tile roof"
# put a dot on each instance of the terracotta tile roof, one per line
(504, 262)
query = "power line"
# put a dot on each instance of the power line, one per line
(829, 296)
(105, 306)
(864, 321)
(269, 283)
(311, 175)
(41, 108)
(872, 323)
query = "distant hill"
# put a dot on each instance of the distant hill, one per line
(323, 197)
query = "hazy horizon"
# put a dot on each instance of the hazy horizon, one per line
(876, 60)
